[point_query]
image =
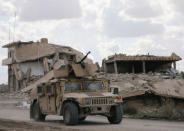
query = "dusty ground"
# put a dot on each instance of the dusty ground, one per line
(13, 117)
(6, 125)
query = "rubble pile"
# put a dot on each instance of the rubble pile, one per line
(15, 100)
(150, 95)
(129, 83)
(17, 95)
(32, 79)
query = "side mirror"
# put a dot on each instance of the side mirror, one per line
(116, 91)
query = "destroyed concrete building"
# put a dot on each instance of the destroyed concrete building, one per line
(29, 61)
(121, 63)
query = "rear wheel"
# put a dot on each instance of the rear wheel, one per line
(71, 114)
(37, 115)
(116, 114)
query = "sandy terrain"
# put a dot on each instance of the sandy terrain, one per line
(16, 118)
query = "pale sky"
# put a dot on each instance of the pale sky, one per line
(103, 27)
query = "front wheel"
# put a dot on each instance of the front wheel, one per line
(116, 114)
(71, 114)
(37, 115)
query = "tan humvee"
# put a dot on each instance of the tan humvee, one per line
(75, 99)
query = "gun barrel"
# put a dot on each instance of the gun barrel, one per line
(84, 58)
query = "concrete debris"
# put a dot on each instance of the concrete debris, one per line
(59, 64)
(150, 95)
(17, 95)
(155, 83)
(18, 99)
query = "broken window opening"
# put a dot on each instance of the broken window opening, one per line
(138, 66)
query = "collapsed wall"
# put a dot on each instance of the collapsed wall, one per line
(150, 95)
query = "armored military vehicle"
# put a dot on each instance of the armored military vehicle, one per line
(73, 95)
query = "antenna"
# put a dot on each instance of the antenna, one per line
(14, 27)
(9, 33)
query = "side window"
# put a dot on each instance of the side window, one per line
(39, 89)
(49, 89)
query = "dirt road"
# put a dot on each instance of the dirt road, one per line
(12, 125)
(17, 118)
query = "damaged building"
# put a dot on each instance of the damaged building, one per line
(121, 63)
(29, 61)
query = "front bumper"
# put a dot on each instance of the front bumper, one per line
(95, 110)
(99, 109)
(101, 101)
(98, 105)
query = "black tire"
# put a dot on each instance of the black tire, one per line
(36, 113)
(116, 114)
(82, 118)
(71, 114)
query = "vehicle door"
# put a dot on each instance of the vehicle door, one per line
(59, 95)
(51, 98)
(42, 98)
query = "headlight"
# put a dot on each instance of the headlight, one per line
(111, 100)
(88, 101)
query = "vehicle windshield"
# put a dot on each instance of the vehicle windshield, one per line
(72, 86)
(91, 85)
